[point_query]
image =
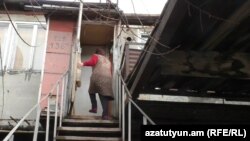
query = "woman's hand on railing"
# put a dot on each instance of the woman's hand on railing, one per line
(79, 65)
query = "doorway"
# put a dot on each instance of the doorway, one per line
(93, 36)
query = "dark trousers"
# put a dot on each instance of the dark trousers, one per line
(104, 101)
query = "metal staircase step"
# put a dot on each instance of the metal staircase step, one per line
(84, 117)
(88, 128)
(89, 131)
(77, 138)
(89, 123)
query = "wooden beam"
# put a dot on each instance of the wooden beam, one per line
(206, 64)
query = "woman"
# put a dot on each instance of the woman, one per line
(100, 81)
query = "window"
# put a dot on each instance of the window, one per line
(15, 53)
(144, 37)
(3, 40)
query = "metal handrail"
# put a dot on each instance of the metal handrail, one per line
(133, 102)
(122, 88)
(37, 106)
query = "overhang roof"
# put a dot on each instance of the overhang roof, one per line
(209, 44)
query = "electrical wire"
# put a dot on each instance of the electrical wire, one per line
(145, 7)
(160, 53)
(163, 45)
(169, 51)
(34, 14)
(85, 16)
(133, 5)
(87, 19)
(109, 7)
(7, 12)
(99, 12)
(125, 20)
(37, 3)
(101, 8)
(208, 14)
(49, 15)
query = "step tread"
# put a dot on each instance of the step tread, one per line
(84, 117)
(89, 121)
(20, 131)
(77, 138)
(89, 129)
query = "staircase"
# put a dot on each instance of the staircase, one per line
(88, 128)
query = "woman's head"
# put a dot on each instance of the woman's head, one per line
(100, 51)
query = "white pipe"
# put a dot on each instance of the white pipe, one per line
(48, 120)
(123, 113)
(56, 110)
(37, 123)
(119, 102)
(129, 121)
(24, 117)
(79, 24)
(61, 103)
(41, 80)
(19, 123)
(75, 53)
(144, 120)
(31, 110)
(66, 94)
(130, 99)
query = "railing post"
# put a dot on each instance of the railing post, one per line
(48, 120)
(123, 114)
(66, 98)
(61, 102)
(124, 93)
(56, 108)
(119, 102)
(129, 121)
(145, 120)
(11, 138)
(37, 123)
(37, 106)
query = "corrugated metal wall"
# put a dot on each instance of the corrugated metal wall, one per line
(131, 57)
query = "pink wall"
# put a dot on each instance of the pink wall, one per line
(60, 41)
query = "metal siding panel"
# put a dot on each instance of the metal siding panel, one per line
(132, 56)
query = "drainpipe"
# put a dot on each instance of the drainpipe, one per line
(75, 53)
(79, 22)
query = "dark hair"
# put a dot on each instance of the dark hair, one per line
(100, 51)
